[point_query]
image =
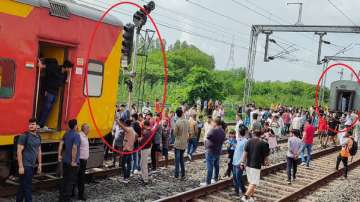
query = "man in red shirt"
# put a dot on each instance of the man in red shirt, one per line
(308, 139)
(322, 128)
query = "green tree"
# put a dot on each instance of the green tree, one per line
(202, 83)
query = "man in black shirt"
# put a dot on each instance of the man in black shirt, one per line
(255, 154)
(333, 127)
(213, 146)
(51, 82)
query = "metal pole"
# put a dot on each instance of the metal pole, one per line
(37, 91)
(341, 73)
(321, 35)
(68, 97)
(134, 64)
(300, 14)
(324, 85)
(266, 59)
(143, 87)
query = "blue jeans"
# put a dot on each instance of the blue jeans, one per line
(237, 179)
(179, 162)
(192, 144)
(211, 162)
(24, 190)
(126, 163)
(135, 162)
(308, 158)
(45, 111)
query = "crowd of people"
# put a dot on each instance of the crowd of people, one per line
(138, 135)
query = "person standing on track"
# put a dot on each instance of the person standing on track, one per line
(255, 154)
(238, 153)
(213, 147)
(136, 125)
(286, 116)
(181, 133)
(84, 156)
(28, 149)
(71, 160)
(128, 146)
(145, 140)
(344, 154)
(230, 145)
(192, 141)
(294, 149)
(156, 149)
(207, 126)
(165, 135)
(332, 128)
(296, 122)
(308, 139)
(322, 128)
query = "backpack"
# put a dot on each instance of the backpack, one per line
(354, 147)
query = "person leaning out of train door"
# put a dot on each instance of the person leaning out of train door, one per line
(28, 149)
(84, 156)
(65, 69)
(51, 81)
(71, 160)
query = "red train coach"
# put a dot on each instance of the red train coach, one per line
(30, 29)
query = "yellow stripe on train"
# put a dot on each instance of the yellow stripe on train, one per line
(14, 8)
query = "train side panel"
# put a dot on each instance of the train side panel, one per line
(20, 33)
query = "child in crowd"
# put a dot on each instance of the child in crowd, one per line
(230, 145)
(270, 137)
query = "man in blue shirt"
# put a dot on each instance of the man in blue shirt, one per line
(237, 171)
(70, 159)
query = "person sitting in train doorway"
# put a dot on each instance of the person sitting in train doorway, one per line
(28, 150)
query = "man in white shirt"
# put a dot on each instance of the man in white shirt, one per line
(296, 122)
(239, 122)
(146, 108)
(84, 156)
(207, 127)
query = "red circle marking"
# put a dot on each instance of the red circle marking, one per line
(317, 93)
(91, 39)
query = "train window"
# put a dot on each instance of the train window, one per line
(7, 78)
(95, 78)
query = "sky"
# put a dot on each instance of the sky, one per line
(212, 25)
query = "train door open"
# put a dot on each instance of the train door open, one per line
(60, 53)
(345, 100)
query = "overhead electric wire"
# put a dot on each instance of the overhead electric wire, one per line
(186, 31)
(218, 13)
(254, 11)
(195, 18)
(175, 28)
(340, 11)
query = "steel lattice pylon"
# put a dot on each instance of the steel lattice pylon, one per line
(258, 29)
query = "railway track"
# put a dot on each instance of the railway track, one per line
(46, 182)
(273, 184)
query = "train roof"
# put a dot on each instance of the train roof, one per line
(77, 9)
